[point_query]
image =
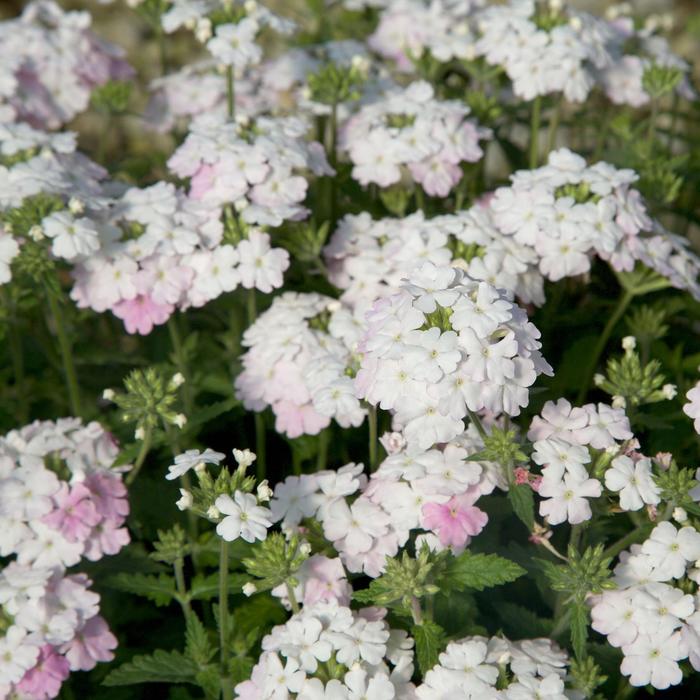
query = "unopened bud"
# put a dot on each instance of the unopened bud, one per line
(203, 31)
(180, 420)
(669, 391)
(108, 394)
(185, 500)
(598, 379)
(629, 343)
(36, 233)
(140, 433)
(213, 512)
(178, 380)
(200, 468)
(248, 589)
(619, 402)
(76, 206)
(264, 492)
(305, 548)
(680, 515)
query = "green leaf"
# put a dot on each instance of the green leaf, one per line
(478, 571)
(209, 680)
(523, 503)
(241, 668)
(579, 627)
(430, 638)
(159, 589)
(197, 645)
(521, 623)
(208, 413)
(160, 667)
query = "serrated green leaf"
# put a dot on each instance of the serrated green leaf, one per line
(579, 627)
(430, 638)
(521, 623)
(478, 571)
(159, 667)
(208, 413)
(159, 589)
(209, 680)
(197, 644)
(523, 503)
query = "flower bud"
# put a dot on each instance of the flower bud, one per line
(185, 500)
(76, 206)
(108, 394)
(248, 589)
(680, 515)
(598, 379)
(619, 402)
(200, 468)
(178, 380)
(180, 420)
(36, 233)
(140, 433)
(629, 343)
(213, 512)
(244, 458)
(576, 24)
(305, 548)
(264, 492)
(669, 391)
(203, 32)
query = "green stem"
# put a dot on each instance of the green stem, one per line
(420, 198)
(181, 363)
(554, 125)
(587, 376)
(322, 456)
(230, 93)
(140, 459)
(66, 353)
(372, 423)
(416, 611)
(535, 131)
(292, 598)
(630, 538)
(478, 424)
(17, 356)
(183, 597)
(226, 685)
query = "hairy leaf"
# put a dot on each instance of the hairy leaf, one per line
(160, 667)
(478, 571)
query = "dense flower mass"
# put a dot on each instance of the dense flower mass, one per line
(295, 276)
(60, 500)
(409, 130)
(443, 346)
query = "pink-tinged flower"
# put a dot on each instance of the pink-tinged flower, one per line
(106, 538)
(142, 313)
(455, 521)
(75, 515)
(298, 420)
(522, 476)
(109, 495)
(93, 643)
(44, 680)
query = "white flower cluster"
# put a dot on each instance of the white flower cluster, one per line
(257, 169)
(50, 62)
(407, 29)
(298, 355)
(654, 614)
(369, 258)
(544, 50)
(692, 408)
(368, 659)
(162, 250)
(443, 346)
(60, 500)
(561, 437)
(409, 132)
(567, 211)
(35, 162)
(470, 669)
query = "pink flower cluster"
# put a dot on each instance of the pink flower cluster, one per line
(257, 170)
(60, 500)
(50, 61)
(297, 359)
(408, 132)
(161, 251)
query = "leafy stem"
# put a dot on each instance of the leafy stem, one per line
(141, 457)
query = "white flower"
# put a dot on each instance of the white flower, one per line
(652, 659)
(234, 44)
(185, 500)
(244, 517)
(634, 482)
(72, 238)
(190, 459)
(244, 458)
(671, 550)
(17, 654)
(567, 499)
